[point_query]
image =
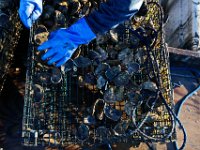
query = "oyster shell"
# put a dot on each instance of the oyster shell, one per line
(111, 73)
(83, 132)
(114, 94)
(102, 133)
(151, 86)
(126, 55)
(133, 68)
(37, 92)
(101, 68)
(112, 113)
(56, 76)
(82, 62)
(121, 128)
(122, 79)
(101, 82)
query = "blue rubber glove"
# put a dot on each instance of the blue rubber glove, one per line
(29, 11)
(62, 43)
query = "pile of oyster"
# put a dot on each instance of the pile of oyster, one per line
(115, 65)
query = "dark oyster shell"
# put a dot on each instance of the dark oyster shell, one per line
(112, 113)
(133, 68)
(83, 132)
(121, 128)
(102, 133)
(101, 82)
(82, 62)
(38, 92)
(122, 79)
(68, 66)
(114, 94)
(56, 76)
(90, 78)
(148, 85)
(101, 68)
(129, 108)
(111, 73)
(126, 56)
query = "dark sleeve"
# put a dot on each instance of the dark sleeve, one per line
(112, 13)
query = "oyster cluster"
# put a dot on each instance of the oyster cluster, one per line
(62, 13)
(114, 69)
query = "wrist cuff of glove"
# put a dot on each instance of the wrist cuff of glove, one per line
(84, 31)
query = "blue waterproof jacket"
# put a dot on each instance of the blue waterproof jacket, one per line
(111, 13)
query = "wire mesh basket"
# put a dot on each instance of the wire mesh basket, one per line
(115, 89)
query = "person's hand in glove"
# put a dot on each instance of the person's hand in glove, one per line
(29, 11)
(62, 43)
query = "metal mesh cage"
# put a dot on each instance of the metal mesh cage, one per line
(115, 89)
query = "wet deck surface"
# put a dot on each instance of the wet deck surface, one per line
(189, 115)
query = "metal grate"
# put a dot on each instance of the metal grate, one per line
(113, 90)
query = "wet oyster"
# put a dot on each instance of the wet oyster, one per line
(41, 34)
(63, 8)
(74, 7)
(121, 128)
(126, 55)
(117, 33)
(59, 19)
(93, 55)
(44, 78)
(102, 133)
(111, 73)
(41, 38)
(90, 78)
(148, 130)
(101, 38)
(112, 53)
(114, 94)
(82, 62)
(133, 68)
(134, 97)
(101, 82)
(86, 8)
(129, 108)
(122, 79)
(148, 85)
(83, 132)
(37, 92)
(134, 41)
(68, 66)
(103, 54)
(101, 68)
(112, 113)
(48, 12)
(56, 76)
